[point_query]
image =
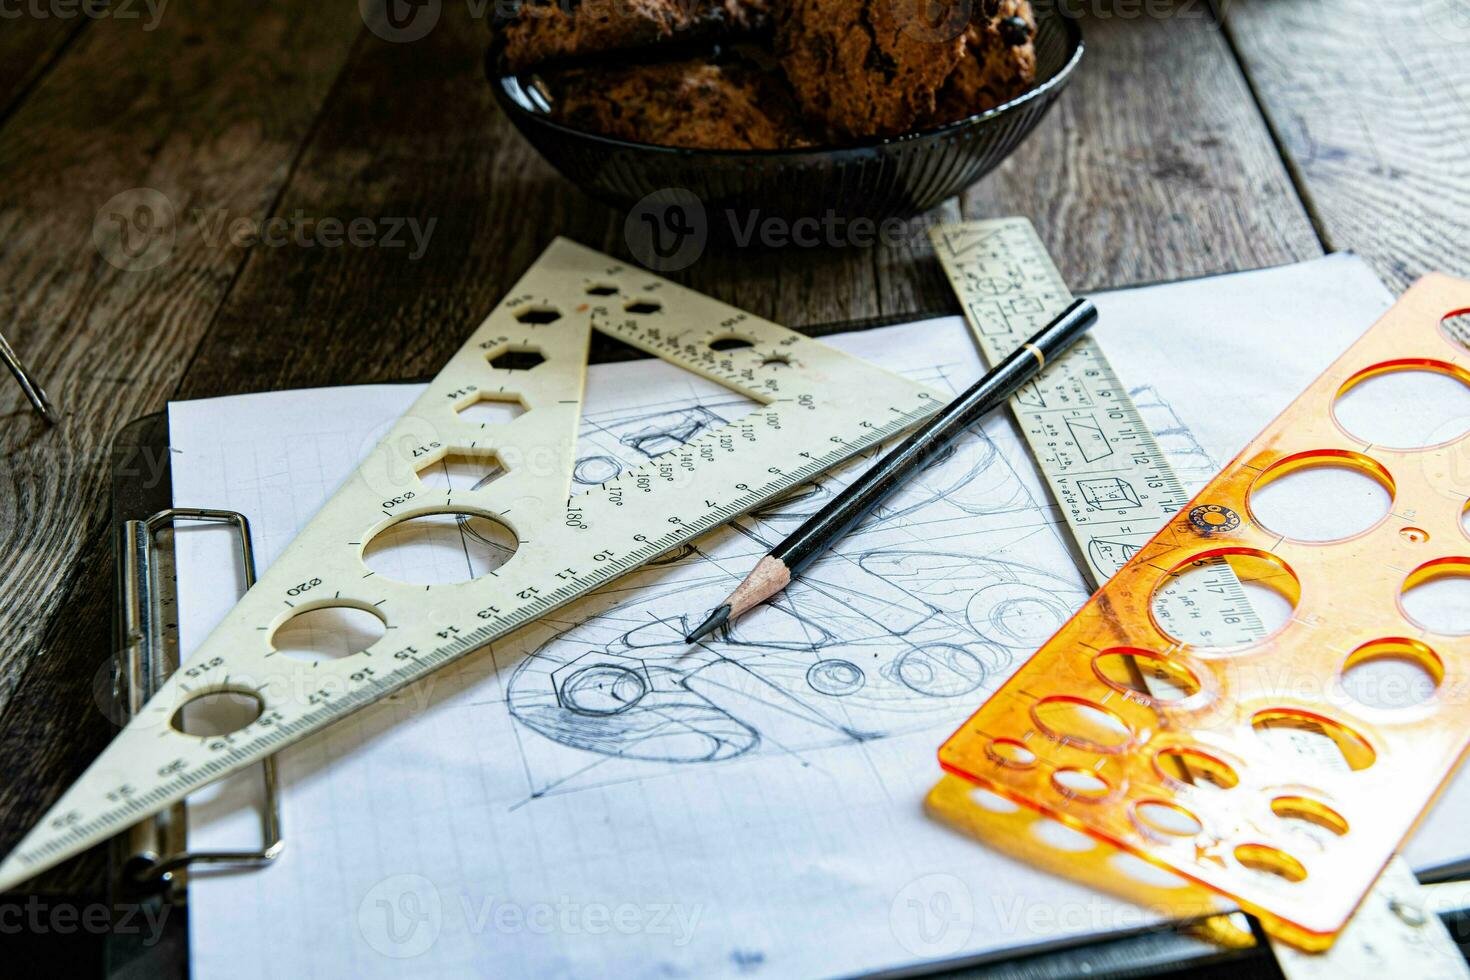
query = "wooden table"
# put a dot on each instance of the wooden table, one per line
(1188, 144)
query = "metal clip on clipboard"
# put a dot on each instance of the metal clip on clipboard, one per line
(156, 848)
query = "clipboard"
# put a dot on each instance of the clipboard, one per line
(150, 863)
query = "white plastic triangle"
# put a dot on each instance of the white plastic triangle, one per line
(818, 407)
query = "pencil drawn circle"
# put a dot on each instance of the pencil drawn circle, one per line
(591, 471)
(1017, 614)
(602, 689)
(835, 677)
(939, 671)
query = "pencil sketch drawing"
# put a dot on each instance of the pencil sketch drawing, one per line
(898, 630)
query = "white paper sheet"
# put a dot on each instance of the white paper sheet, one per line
(758, 811)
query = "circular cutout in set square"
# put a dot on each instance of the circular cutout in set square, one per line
(441, 548)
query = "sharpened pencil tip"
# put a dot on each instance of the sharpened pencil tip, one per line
(718, 618)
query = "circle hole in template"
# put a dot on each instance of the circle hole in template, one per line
(1185, 766)
(1411, 404)
(1399, 672)
(218, 712)
(1169, 819)
(1321, 496)
(1436, 596)
(1313, 738)
(1152, 677)
(328, 633)
(1011, 753)
(1312, 813)
(1266, 592)
(1080, 783)
(441, 548)
(1270, 860)
(1081, 723)
(1456, 328)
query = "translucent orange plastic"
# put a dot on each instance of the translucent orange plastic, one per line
(1298, 839)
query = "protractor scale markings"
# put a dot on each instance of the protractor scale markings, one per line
(816, 408)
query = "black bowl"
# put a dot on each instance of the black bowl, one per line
(877, 179)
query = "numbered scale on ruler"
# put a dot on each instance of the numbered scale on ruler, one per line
(1008, 285)
(818, 407)
(1108, 475)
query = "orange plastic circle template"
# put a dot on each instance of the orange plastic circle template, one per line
(1257, 770)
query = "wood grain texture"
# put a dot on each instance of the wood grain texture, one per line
(1185, 182)
(1155, 165)
(207, 112)
(28, 46)
(413, 132)
(1125, 189)
(1372, 107)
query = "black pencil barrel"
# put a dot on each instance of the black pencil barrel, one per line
(939, 432)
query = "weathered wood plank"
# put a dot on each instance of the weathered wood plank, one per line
(28, 45)
(206, 112)
(1135, 177)
(412, 136)
(1372, 107)
(442, 152)
(1125, 188)
(1156, 165)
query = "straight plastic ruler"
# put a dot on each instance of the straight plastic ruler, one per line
(1109, 477)
(817, 407)
(1083, 428)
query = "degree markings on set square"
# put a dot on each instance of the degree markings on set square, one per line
(817, 407)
